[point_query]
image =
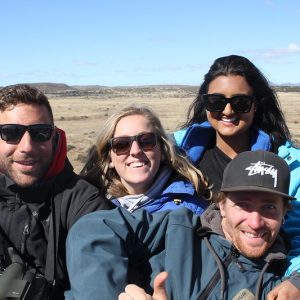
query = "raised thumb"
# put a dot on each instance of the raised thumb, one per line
(159, 286)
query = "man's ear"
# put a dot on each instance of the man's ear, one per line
(222, 208)
(55, 138)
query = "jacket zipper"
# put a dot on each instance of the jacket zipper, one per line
(232, 256)
(2, 263)
(25, 235)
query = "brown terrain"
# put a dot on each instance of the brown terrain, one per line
(80, 111)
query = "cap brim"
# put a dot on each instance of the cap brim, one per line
(256, 189)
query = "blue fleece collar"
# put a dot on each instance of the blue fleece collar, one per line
(195, 138)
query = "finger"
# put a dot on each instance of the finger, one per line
(159, 286)
(124, 296)
(135, 292)
(273, 294)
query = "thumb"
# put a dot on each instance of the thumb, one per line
(273, 294)
(159, 286)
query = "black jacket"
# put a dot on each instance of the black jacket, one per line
(36, 221)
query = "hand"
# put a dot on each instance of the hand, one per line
(133, 292)
(284, 291)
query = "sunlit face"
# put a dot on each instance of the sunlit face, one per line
(228, 123)
(251, 220)
(25, 162)
(137, 168)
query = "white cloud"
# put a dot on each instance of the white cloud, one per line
(280, 52)
(5, 75)
(276, 53)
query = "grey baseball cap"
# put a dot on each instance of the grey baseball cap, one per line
(257, 171)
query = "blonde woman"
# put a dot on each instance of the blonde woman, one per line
(134, 164)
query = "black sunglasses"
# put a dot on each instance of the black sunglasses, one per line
(217, 102)
(13, 133)
(122, 145)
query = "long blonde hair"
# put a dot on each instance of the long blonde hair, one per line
(97, 167)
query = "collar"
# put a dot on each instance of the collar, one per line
(60, 155)
(179, 187)
(195, 138)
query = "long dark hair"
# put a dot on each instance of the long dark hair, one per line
(268, 116)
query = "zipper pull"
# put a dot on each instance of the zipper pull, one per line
(2, 263)
(25, 234)
(235, 254)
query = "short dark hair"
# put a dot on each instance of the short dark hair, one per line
(268, 116)
(12, 95)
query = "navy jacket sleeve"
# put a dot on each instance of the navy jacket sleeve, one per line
(82, 198)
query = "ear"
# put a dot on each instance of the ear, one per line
(222, 208)
(255, 107)
(111, 165)
(285, 210)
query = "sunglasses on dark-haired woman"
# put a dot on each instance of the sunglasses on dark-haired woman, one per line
(218, 102)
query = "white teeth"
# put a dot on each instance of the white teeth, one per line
(136, 164)
(226, 120)
(252, 235)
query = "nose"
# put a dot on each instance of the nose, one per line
(135, 148)
(228, 109)
(26, 143)
(255, 220)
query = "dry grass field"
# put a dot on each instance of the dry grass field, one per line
(81, 116)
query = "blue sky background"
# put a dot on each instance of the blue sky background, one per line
(142, 42)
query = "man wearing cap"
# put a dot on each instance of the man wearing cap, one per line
(233, 251)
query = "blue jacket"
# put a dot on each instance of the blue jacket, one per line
(194, 141)
(176, 195)
(291, 225)
(102, 245)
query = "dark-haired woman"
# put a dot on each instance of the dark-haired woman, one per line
(237, 110)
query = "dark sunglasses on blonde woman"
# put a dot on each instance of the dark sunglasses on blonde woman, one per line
(122, 145)
(217, 102)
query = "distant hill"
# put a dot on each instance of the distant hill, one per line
(88, 87)
(288, 84)
(287, 88)
(62, 89)
(48, 87)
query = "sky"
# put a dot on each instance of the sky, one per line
(144, 42)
